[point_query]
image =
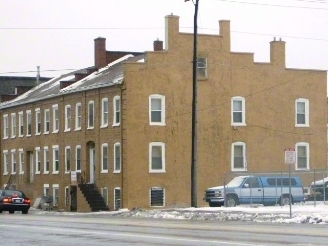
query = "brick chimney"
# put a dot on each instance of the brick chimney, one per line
(100, 52)
(277, 53)
(158, 45)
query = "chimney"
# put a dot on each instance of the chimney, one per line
(38, 75)
(225, 33)
(277, 53)
(158, 45)
(100, 52)
(171, 32)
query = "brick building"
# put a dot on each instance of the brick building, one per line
(124, 125)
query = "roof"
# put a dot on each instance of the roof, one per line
(8, 83)
(110, 75)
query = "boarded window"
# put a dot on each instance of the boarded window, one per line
(156, 196)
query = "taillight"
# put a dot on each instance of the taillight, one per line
(7, 200)
(27, 201)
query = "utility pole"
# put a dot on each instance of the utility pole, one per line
(194, 116)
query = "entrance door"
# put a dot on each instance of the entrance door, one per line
(92, 165)
(31, 168)
(73, 193)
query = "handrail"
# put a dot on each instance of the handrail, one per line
(8, 182)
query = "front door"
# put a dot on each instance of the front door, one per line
(92, 165)
(31, 169)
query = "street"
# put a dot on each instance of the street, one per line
(83, 229)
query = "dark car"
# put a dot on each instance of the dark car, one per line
(14, 200)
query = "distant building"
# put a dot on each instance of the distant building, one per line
(120, 131)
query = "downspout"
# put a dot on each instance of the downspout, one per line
(122, 87)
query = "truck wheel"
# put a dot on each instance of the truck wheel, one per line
(284, 200)
(214, 204)
(231, 201)
(25, 211)
(11, 211)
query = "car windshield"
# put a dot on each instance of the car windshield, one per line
(12, 193)
(236, 182)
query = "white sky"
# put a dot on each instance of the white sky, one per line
(58, 35)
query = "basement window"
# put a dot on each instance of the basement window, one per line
(157, 195)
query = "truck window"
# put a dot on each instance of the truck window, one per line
(252, 183)
(277, 181)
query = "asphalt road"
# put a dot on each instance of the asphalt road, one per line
(47, 230)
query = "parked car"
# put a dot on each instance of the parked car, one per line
(266, 190)
(14, 200)
(320, 186)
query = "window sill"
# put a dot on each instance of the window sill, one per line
(21, 172)
(45, 133)
(56, 172)
(104, 171)
(90, 128)
(238, 170)
(37, 172)
(238, 124)
(21, 136)
(6, 173)
(77, 129)
(118, 171)
(55, 131)
(116, 124)
(104, 126)
(46, 172)
(157, 171)
(13, 137)
(13, 173)
(157, 124)
(5, 138)
(302, 125)
(38, 134)
(67, 172)
(67, 130)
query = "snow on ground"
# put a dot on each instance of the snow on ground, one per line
(301, 213)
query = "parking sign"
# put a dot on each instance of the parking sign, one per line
(290, 156)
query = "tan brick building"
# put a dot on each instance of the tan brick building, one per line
(127, 127)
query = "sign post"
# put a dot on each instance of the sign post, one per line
(290, 159)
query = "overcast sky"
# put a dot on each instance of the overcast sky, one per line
(59, 35)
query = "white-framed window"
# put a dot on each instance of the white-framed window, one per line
(37, 121)
(21, 124)
(5, 126)
(37, 161)
(302, 112)
(78, 158)
(117, 198)
(67, 159)
(55, 194)
(156, 157)
(157, 197)
(46, 165)
(157, 110)
(201, 68)
(302, 156)
(13, 125)
(67, 196)
(117, 158)
(13, 161)
(78, 116)
(55, 117)
(104, 158)
(46, 121)
(238, 157)
(46, 190)
(104, 112)
(91, 116)
(21, 161)
(116, 110)
(67, 118)
(29, 123)
(104, 194)
(5, 162)
(238, 113)
(55, 159)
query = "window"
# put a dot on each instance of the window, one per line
(55, 159)
(46, 160)
(5, 126)
(55, 122)
(5, 162)
(21, 124)
(13, 125)
(46, 189)
(37, 161)
(238, 111)
(37, 121)
(67, 196)
(117, 198)
(90, 115)
(117, 157)
(201, 68)
(13, 161)
(157, 110)
(78, 158)
(302, 112)
(29, 122)
(78, 116)
(21, 161)
(157, 196)
(238, 157)
(67, 117)
(104, 158)
(302, 156)
(46, 121)
(156, 157)
(67, 159)
(116, 106)
(104, 112)
(104, 194)
(55, 192)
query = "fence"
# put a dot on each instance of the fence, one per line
(315, 184)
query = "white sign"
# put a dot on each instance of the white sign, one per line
(290, 156)
(73, 176)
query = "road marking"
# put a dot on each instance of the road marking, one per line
(78, 231)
